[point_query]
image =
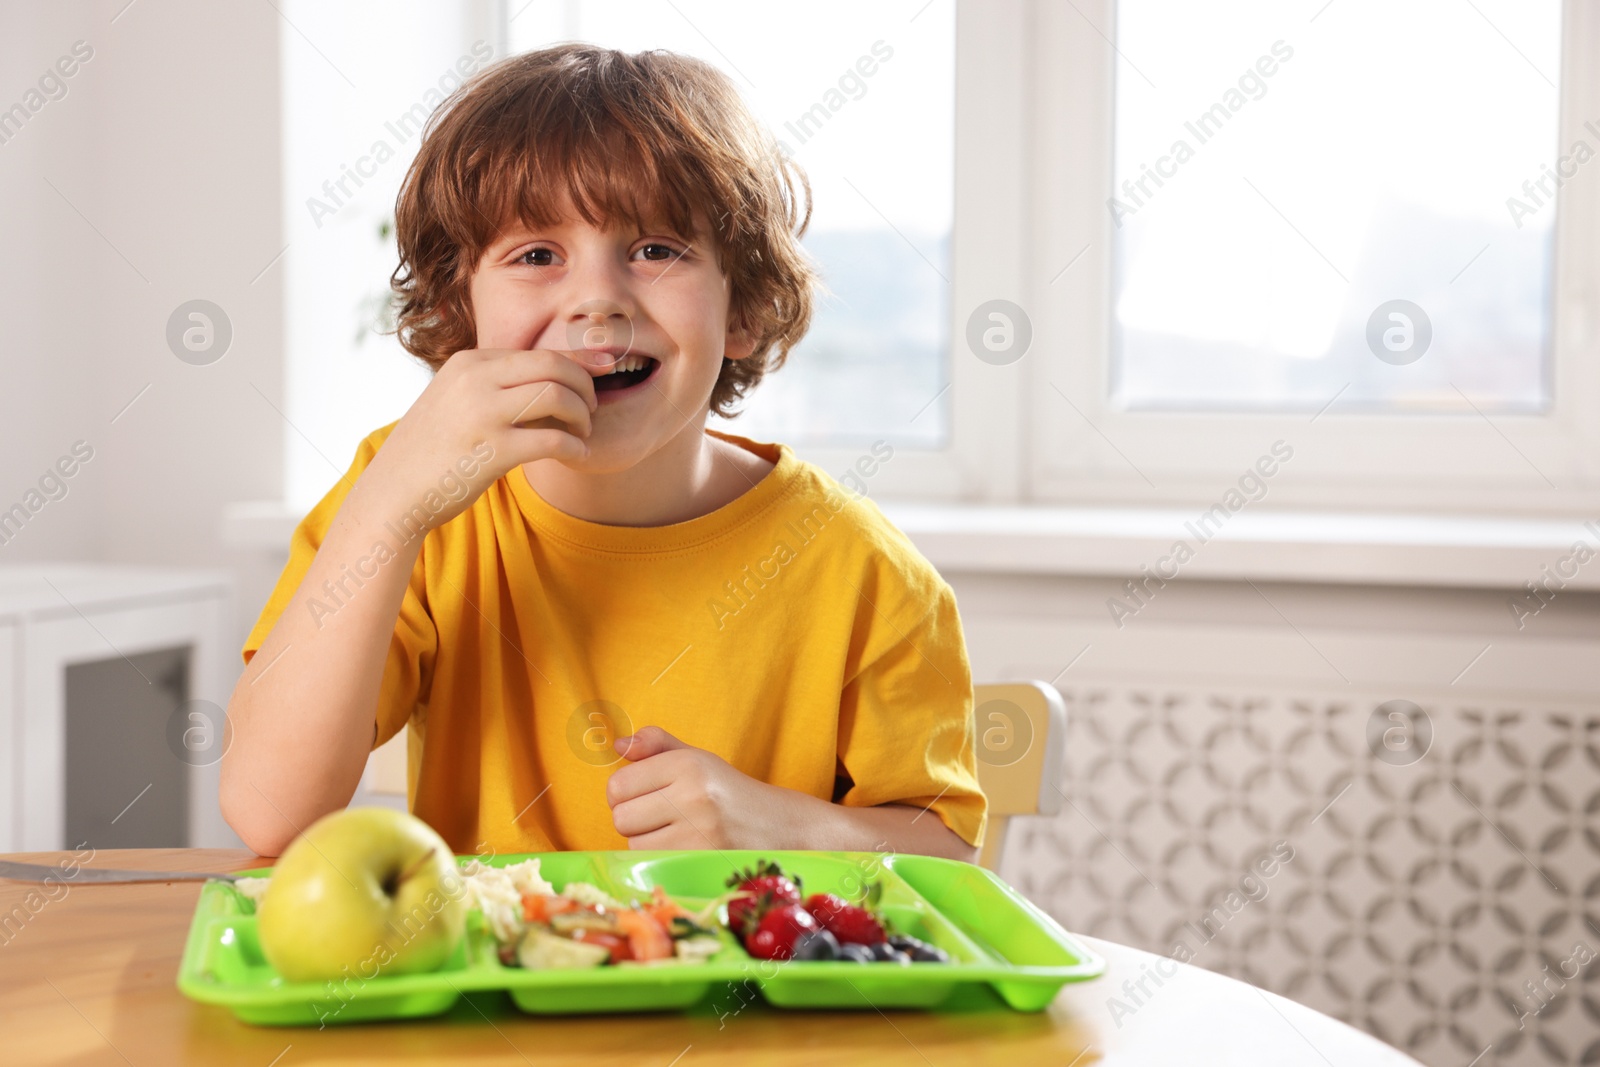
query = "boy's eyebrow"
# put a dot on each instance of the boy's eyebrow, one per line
(516, 231)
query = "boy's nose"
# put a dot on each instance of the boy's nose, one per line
(599, 324)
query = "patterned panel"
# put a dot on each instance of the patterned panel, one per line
(1445, 898)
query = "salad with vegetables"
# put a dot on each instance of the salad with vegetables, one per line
(537, 928)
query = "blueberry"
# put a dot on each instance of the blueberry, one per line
(919, 950)
(856, 953)
(882, 951)
(816, 945)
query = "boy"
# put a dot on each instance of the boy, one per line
(602, 624)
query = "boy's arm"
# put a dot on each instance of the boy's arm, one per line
(672, 795)
(303, 711)
(302, 727)
(820, 825)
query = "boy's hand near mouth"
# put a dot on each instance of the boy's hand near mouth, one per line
(488, 395)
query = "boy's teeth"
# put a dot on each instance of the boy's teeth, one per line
(627, 363)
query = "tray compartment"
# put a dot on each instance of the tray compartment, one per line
(223, 964)
(831, 984)
(1037, 956)
(625, 987)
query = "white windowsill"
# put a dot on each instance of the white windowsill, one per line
(1431, 550)
(1259, 545)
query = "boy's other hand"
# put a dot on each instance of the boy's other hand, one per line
(486, 411)
(673, 795)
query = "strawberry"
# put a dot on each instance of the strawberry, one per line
(758, 890)
(850, 924)
(767, 877)
(775, 932)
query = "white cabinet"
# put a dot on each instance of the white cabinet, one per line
(112, 685)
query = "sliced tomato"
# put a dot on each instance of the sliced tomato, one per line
(663, 909)
(538, 907)
(619, 946)
(647, 937)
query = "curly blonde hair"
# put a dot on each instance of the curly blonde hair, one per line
(629, 137)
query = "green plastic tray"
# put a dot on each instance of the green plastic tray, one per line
(995, 937)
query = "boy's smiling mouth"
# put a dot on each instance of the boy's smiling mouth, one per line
(630, 371)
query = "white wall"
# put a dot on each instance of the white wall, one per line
(189, 99)
(49, 347)
(166, 144)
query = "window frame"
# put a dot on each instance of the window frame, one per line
(983, 458)
(1089, 451)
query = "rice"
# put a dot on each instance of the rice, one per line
(588, 893)
(497, 892)
(254, 888)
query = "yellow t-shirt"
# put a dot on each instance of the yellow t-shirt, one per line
(795, 632)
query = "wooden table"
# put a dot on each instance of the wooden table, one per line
(88, 978)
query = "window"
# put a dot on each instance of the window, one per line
(1290, 204)
(1350, 253)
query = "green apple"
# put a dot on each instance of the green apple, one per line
(362, 892)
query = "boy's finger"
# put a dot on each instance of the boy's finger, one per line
(643, 814)
(513, 369)
(546, 405)
(675, 836)
(560, 443)
(637, 779)
(535, 360)
(648, 741)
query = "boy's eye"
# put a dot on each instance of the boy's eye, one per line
(659, 252)
(654, 252)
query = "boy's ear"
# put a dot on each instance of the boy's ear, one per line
(740, 343)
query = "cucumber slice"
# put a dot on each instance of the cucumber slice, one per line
(542, 950)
